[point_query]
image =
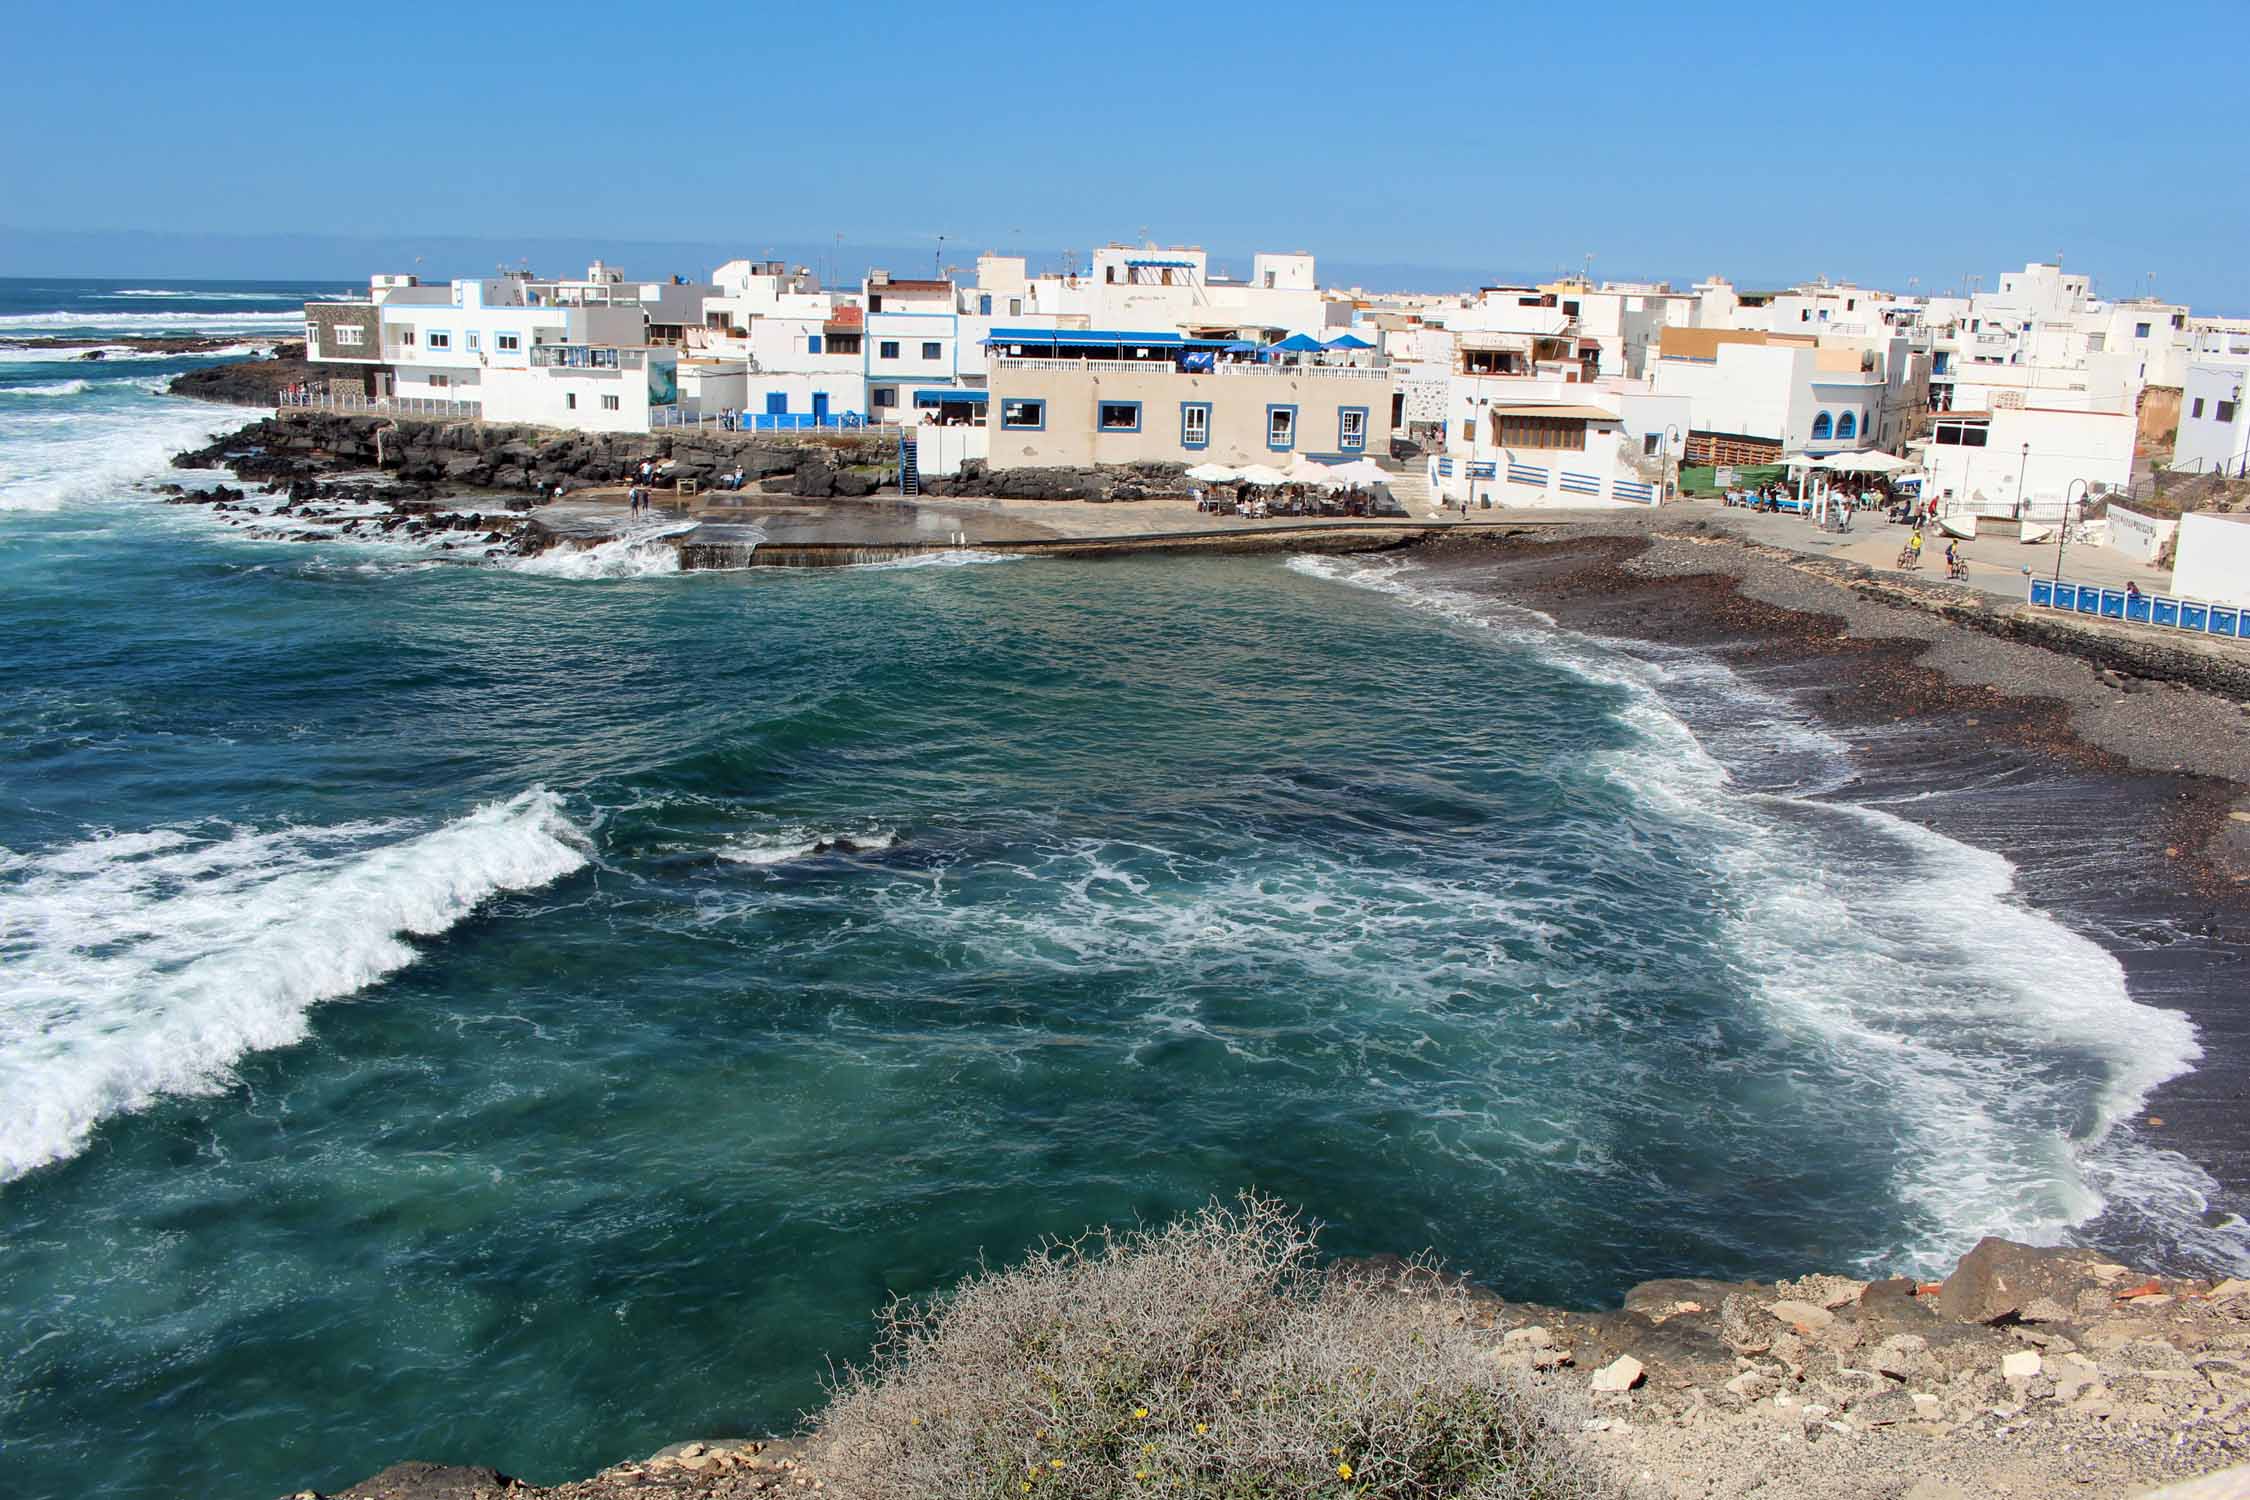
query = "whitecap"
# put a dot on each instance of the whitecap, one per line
(49, 388)
(645, 552)
(2007, 1045)
(147, 963)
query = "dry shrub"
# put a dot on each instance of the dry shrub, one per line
(1213, 1357)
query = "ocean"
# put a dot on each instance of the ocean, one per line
(430, 1026)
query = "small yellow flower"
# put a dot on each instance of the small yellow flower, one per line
(1142, 1474)
(1054, 1463)
(1337, 1451)
(1027, 1486)
(1140, 1414)
(1147, 1449)
(1201, 1428)
(1345, 1470)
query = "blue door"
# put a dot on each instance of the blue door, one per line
(820, 406)
(777, 404)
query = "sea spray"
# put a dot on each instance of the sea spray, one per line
(143, 964)
(1902, 954)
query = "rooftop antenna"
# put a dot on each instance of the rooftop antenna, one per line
(937, 258)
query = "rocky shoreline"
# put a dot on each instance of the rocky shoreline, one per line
(2025, 1372)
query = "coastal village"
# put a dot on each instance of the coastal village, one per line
(2034, 411)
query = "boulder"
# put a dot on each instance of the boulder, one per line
(1995, 1281)
(814, 480)
(420, 1481)
(1802, 1315)
(1620, 1375)
(853, 484)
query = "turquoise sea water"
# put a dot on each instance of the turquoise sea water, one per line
(426, 1029)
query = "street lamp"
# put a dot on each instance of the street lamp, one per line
(2062, 531)
(2022, 503)
(1665, 469)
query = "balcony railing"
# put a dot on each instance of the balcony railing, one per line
(393, 406)
(1166, 367)
(585, 357)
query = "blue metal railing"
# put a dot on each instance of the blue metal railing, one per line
(2195, 616)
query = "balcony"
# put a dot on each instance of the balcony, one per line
(1166, 367)
(585, 357)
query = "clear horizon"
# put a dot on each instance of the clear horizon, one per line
(1462, 147)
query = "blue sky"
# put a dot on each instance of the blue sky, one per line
(1762, 140)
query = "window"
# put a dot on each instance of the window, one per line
(473, 336)
(2096, 342)
(1649, 441)
(887, 349)
(1281, 428)
(1118, 416)
(406, 337)
(1823, 428)
(1960, 435)
(440, 382)
(609, 403)
(1015, 306)
(1542, 432)
(312, 335)
(347, 333)
(1847, 427)
(2225, 412)
(440, 340)
(507, 343)
(2140, 330)
(930, 349)
(1570, 309)
(570, 400)
(1468, 432)
(1195, 424)
(886, 395)
(812, 343)
(1351, 428)
(2197, 410)
(1025, 414)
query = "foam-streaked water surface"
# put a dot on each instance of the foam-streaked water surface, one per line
(438, 1017)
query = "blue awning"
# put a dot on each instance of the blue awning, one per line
(1098, 338)
(1170, 265)
(1298, 343)
(950, 393)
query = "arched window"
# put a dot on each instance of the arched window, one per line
(1847, 427)
(1821, 428)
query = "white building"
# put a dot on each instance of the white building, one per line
(2212, 560)
(2025, 461)
(2214, 416)
(1756, 397)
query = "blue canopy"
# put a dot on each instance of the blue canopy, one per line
(1347, 341)
(950, 394)
(1300, 343)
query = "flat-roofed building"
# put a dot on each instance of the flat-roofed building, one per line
(1070, 398)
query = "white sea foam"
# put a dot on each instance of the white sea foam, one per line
(147, 963)
(645, 552)
(120, 354)
(143, 323)
(49, 388)
(183, 296)
(957, 559)
(54, 453)
(781, 845)
(2008, 1043)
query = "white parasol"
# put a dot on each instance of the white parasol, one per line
(1263, 476)
(1213, 474)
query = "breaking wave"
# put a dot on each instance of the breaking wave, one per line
(49, 388)
(2007, 1045)
(643, 553)
(146, 964)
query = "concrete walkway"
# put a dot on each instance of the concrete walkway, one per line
(1996, 559)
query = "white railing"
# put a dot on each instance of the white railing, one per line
(1347, 372)
(394, 406)
(1166, 367)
